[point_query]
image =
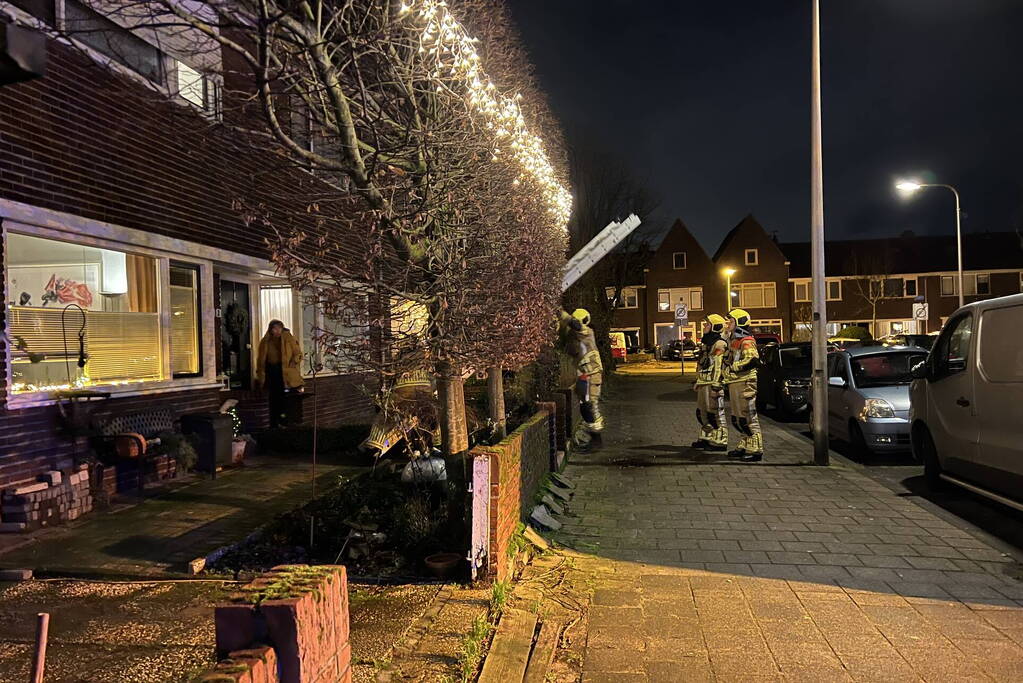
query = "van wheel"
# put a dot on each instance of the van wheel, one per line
(929, 455)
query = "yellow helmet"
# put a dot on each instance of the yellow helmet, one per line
(740, 317)
(582, 315)
(717, 322)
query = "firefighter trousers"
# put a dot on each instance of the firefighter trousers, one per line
(710, 413)
(742, 400)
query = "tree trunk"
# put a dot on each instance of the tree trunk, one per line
(453, 428)
(495, 400)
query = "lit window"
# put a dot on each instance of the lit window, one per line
(679, 260)
(752, 257)
(628, 298)
(275, 303)
(663, 300)
(186, 355)
(668, 299)
(197, 89)
(756, 294)
(81, 316)
(116, 42)
(327, 340)
(948, 285)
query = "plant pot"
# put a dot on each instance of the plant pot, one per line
(442, 565)
(238, 448)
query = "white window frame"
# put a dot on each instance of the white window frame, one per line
(674, 260)
(805, 284)
(756, 257)
(683, 293)
(954, 279)
(625, 295)
(827, 289)
(743, 287)
(905, 288)
(28, 220)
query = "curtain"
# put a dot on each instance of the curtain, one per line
(142, 295)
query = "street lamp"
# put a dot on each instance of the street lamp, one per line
(729, 272)
(908, 188)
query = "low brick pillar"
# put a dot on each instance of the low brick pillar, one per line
(257, 665)
(57, 497)
(299, 611)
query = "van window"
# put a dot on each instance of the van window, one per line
(1001, 356)
(952, 350)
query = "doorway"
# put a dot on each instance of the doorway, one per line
(236, 334)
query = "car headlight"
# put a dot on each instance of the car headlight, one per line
(878, 407)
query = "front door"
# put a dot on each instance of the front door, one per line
(951, 410)
(236, 334)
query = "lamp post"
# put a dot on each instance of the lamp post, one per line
(909, 187)
(818, 378)
(729, 272)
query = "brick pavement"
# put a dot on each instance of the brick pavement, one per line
(704, 569)
(163, 533)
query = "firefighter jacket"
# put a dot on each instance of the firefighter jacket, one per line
(582, 347)
(742, 359)
(712, 356)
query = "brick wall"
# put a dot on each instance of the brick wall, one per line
(301, 613)
(518, 465)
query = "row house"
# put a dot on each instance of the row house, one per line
(680, 271)
(906, 284)
(126, 265)
(888, 285)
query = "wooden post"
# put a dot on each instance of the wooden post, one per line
(42, 633)
(495, 400)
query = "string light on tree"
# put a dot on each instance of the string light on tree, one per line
(445, 38)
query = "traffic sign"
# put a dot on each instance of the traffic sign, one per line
(681, 315)
(920, 312)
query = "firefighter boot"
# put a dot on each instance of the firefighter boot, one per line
(754, 448)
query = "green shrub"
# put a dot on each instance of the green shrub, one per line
(856, 332)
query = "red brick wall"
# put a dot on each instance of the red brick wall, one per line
(256, 665)
(87, 142)
(308, 630)
(517, 467)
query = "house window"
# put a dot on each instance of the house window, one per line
(628, 298)
(909, 286)
(275, 303)
(185, 325)
(118, 43)
(198, 89)
(833, 290)
(802, 291)
(81, 316)
(977, 284)
(326, 339)
(678, 260)
(948, 285)
(756, 294)
(752, 257)
(692, 297)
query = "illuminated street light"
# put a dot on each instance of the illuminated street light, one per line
(910, 187)
(728, 273)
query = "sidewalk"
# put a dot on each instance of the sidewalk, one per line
(708, 570)
(162, 534)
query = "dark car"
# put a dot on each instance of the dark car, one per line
(920, 341)
(765, 338)
(680, 349)
(783, 379)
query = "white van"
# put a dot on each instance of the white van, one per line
(966, 402)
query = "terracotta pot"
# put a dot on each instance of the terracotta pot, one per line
(238, 450)
(442, 565)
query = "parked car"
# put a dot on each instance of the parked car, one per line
(764, 338)
(967, 402)
(680, 349)
(868, 396)
(841, 343)
(783, 379)
(923, 341)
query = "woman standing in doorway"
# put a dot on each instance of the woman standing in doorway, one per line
(278, 368)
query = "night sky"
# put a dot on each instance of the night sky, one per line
(708, 103)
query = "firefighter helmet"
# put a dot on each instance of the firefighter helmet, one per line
(582, 315)
(716, 322)
(740, 317)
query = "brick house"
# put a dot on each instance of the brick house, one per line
(106, 204)
(898, 272)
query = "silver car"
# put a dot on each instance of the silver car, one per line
(868, 396)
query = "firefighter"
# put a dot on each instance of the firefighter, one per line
(710, 394)
(740, 374)
(582, 348)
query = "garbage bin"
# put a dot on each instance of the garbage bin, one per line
(213, 433)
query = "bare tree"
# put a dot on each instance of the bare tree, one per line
(430, 227)
(872, 283)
